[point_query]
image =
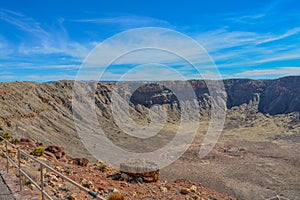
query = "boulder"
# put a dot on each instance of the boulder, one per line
(57, 151)
(139, 170)
(27, 142)
(83, 162)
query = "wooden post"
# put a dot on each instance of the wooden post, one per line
(19, 166)
(42, 182)
(7, 163)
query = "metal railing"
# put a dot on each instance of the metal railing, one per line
(42, 166)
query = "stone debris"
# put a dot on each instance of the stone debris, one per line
(136, 179)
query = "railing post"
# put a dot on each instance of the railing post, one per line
(19, 166)
(42, 182)
(7, 164)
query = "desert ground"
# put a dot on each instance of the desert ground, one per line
(256, 157)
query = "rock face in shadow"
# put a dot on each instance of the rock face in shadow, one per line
(279, 96)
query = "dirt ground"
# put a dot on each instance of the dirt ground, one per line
(255, 158)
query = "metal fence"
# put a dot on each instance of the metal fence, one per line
(42, 166)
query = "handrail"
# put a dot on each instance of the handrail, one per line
(42, 165)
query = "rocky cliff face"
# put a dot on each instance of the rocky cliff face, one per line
(45, 110)
(279, 96)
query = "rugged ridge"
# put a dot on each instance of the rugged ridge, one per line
(29, 100)
(45, 110)
(279, 96)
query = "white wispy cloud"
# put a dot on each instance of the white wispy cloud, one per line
(44, 41)
(148, 45)
(5, 48)
(240, 49)
(280, 57)
(40, 78)
(45, 78)
(23, 22)
(5, 72)
(280, 37)
(7, 77)
(221, 39)
(262, 73)
(73, 49)
(27, 65)
(129, 21)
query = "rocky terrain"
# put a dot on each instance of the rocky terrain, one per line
(259, 142)
(97, 177)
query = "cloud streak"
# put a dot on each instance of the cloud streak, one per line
(43, 41)
(263, 73)
(23, 22)
(127, 20)
(289, 33)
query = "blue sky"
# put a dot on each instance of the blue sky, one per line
(49, 40)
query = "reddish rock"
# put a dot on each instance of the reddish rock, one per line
(80, 161)
(27, 142)
(50, 156)
(57, 151)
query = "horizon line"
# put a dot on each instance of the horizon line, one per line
(114, 81)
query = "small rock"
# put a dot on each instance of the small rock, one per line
(242, 149)
(68, 171)
(53, 178)
(212, 198)
(101, 167)
(31, 186)
(59, 196)
(63, 187)
(115, 176)
(72, 197)
(168, 187)
(193, 188)
(124, 184)
(23, 161)
(80, 162)
(54, 191)
(195, 197)
(87, 184)
(113, 190)
(164, 189)
(140, 180)
(185, 190)
(58, 168)
(51, 184)
(124, 177)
